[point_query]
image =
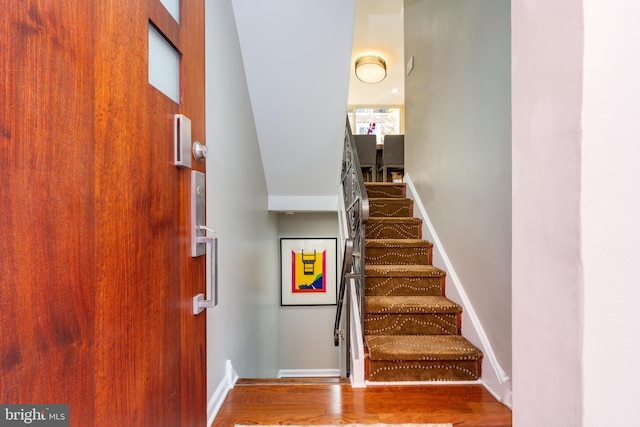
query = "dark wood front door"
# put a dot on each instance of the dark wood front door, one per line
(96, 273)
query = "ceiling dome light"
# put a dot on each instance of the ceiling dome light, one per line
(371, 69)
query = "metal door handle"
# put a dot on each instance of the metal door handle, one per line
(199, 301)
(199, 240)
(200, 151)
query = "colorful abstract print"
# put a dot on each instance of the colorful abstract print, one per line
(308, 271)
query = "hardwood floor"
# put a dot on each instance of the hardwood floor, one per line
(290, 402)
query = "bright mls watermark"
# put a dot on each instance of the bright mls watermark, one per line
(34, 415)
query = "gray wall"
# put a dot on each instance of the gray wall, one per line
(243, 327)
(458, 145)
(249, 327)
(306, 333)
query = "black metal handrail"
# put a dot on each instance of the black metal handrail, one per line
(347, 266)
(356, 204)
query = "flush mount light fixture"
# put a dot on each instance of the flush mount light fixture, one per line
(371, 69)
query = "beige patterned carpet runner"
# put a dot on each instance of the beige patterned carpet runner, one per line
(361, 425)
(412, 331)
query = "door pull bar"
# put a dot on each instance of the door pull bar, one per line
(199, 301)
(200, 240)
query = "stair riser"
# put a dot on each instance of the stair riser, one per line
(384, 191)
(412, 324)
(440, 370)
(398, 256)
(398, 286)
(396, 230)
(390, 209)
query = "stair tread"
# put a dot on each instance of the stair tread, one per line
(397, 243)
(390, 200)
(403, 270)
(385, 184)
(421, 347)
(392, 219)
(413, 304)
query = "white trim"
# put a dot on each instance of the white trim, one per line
(496, 378)
(343, 233)
(343, 223)
(505, 397)
(308, 373)
(357, 341)
(303, 203)
(227, 383)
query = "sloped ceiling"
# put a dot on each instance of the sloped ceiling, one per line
(297, 57)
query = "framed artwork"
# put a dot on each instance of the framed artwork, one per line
(308, 271)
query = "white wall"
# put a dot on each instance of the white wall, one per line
(306, 333)
(576, 204)
(610, 213)
(547, 268)
(243, 327)
(458, 145)
(296, 55)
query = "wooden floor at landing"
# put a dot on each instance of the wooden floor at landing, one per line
(326, 401)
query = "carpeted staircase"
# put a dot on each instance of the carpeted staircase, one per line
(412, 331)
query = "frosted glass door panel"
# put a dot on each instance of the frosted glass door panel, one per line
(173, 6)
(164, 65)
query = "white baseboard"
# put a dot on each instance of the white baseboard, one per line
(504, 396)
(308, 373)
(227, 383)
(495, 380)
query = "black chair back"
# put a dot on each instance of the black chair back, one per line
(366, 148)
(392, 155)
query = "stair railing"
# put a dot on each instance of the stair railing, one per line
(356, 208)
